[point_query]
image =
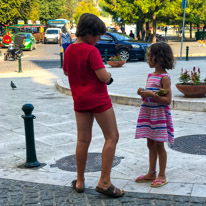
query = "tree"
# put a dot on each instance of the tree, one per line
(34, 13)
(70, 7)
(13, 10)
(9, 10)
(51, 9)
(85, 7)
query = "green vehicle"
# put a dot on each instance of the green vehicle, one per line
(30, 42)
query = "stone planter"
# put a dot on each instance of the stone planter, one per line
(193, 91)
(116, 63)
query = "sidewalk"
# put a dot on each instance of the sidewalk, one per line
(131, 76)
(55, 137)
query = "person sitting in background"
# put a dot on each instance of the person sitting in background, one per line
(131, 34)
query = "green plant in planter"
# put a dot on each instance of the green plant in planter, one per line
(184, 76)
(193, 78)
(116, 58)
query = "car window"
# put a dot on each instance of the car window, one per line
(106, 37)
(52, 32)
(122, 37)
(27, 36)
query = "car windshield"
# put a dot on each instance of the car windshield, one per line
(122, 37)
(27, 36)
(52, 32)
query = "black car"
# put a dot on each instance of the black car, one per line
(122, 44)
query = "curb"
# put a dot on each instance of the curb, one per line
(194, 105)
(191, 55)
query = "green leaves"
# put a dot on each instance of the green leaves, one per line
(85, 7)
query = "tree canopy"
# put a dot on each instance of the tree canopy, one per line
(85, 7)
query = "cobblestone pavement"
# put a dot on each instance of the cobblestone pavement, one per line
(19, 193)
(44, 57)
(12, 66)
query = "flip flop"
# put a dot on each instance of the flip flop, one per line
(79, 190)
(158, 183)
(110, 191)
(142, 179)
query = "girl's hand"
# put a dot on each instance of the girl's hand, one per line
(139, 91)
(147, 93)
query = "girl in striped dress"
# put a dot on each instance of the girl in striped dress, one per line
(155, 121)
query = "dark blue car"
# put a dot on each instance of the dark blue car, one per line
(122, 44)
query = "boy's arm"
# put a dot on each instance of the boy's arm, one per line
(103, 75)
(65, 73)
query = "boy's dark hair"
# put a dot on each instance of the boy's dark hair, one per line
(162, 54)
(90, 24)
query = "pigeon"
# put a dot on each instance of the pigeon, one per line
(13, 86)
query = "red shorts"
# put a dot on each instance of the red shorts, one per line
(97, 109)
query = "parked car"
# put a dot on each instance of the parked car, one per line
(52, 35)
(122, 44)
(30, 42)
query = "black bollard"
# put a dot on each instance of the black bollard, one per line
(187, 53)
(19, 60)
(61, 59)
(105, 56)
(31, 159)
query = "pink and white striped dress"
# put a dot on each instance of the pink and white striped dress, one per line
(155, 120)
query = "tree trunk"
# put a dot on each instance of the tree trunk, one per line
(203, 32)
(138, 30)
(147, 30)
(154, 40)
(190, 30)
(198, 27)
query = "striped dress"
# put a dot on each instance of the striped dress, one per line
(155, 120)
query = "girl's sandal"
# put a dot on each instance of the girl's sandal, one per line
(142, 178)
(158, 183)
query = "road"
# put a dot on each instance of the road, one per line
(45, 56)
(48, 55)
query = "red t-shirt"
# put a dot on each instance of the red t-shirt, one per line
(80, 62)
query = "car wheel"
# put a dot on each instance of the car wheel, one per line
(124, 54)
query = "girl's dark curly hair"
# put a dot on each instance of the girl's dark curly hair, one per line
(90, 24)
(162, 54)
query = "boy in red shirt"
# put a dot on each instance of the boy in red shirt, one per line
(88, 81)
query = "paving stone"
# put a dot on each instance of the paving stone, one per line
(65, 196)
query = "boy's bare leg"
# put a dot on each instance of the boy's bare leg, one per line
(84, 134)
(107, 122)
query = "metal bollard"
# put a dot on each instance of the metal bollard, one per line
(105, 56)
(61, 59)
(187, 53)
(31, 159)
(0, 53)
(145, 54)
(19, 60)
